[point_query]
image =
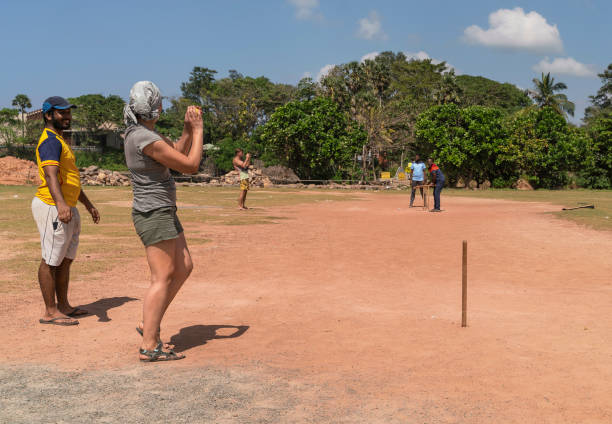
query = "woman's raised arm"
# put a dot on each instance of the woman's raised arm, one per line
(168, 156)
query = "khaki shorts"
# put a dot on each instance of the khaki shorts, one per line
(157, 225)
(245, 185)
(58, 240)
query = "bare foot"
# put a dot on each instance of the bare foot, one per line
(71, 311)
(58, 317)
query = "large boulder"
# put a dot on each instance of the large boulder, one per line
(523, 184)
(280, 175)
(473, 184)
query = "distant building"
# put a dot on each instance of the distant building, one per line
(108, 135)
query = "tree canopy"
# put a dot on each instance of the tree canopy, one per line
(545, 94)
(94, 111)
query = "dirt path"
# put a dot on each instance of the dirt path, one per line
(349, 312)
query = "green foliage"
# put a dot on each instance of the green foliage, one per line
(108, 159)
(225, 150)
(597, 172)
(541, 146)
(482, 91)
(234, 106)
(465, 141)
(9, 116)
(602, 101)
(8, 125)
(94, 111)
(199, 83)
(22, 102)
(480, 143)
(312, 137)
(544, 95)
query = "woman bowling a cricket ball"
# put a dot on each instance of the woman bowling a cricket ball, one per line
(150, 156)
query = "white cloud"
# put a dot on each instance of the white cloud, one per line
(306, 75)
(566, 66)
(306, 9)
(370, 27)
(324, 71)
(515, 29)
(369, 56)
(421, 55)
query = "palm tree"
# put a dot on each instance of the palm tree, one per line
(22, 102)
(545, 94)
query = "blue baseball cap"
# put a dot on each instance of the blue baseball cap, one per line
(56, 102)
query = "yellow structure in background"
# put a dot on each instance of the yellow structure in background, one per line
(385, 175)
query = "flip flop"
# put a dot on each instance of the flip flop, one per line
(78, 312)
(56, 321)
(159, 355)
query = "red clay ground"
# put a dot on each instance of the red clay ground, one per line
(355, 307)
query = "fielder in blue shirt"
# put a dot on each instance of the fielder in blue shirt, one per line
(417, 177)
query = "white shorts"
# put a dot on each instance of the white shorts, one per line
(58, 240)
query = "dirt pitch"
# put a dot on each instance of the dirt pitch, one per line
(338, 312)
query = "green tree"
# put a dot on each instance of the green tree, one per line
(542, 146)
(22, 102)
(198, 85)
(482, 91)
(597, 172)
(96, 113)
(545, 95)
(8, 123)
(465, 142)
(8, 116)
(313, 137)
(233, 106)
(603, 99)
(225, 150)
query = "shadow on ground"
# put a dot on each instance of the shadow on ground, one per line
(198, 335)
(101, 306)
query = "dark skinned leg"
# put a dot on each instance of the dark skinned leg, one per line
(62, 280)
(46, 279)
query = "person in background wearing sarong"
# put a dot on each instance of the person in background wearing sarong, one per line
(242, 166)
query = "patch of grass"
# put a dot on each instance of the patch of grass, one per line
(599, 218)
(113, 242)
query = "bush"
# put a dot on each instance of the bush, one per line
(113, 160)
(225, 150)
(501, 182)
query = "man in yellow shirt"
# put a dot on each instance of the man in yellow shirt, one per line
(54, 210)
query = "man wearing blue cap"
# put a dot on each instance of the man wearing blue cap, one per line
(54, 210)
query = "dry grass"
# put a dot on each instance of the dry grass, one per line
(599, 218)
(113, 242)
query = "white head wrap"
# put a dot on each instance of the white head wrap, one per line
(145, 99)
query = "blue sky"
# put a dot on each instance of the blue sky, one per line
(71, 48)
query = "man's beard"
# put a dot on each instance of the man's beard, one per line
(57, 124)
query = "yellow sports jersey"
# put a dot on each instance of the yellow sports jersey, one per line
(53, 150)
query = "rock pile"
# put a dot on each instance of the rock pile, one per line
(522, 184)
(256, 177)
(94, 176)
(281, 175)
(15, 171)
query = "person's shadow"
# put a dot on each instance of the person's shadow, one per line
(101, 306)
(198, 335)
